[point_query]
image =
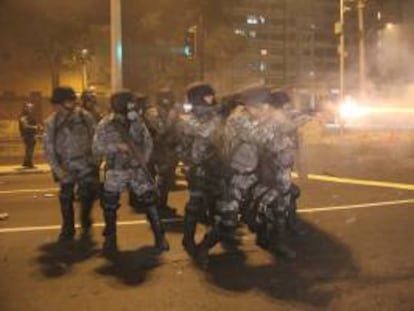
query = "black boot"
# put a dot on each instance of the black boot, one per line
(157, 227)
(211, 238)
(280, 246)
(293, 224)
(165, 210)
(66, 208)
(110, 204)
(110, 247)
(190, 223)
(85, 217)
(263, 236)
(88, 193)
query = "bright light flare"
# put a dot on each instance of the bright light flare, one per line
(353, 112)
(350, 109)
(389, 26)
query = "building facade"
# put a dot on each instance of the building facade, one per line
(289, 42)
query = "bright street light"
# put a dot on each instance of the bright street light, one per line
(389, 26)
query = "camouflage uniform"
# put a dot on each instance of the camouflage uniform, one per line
(126, 170)
(160, 120)
(281, 103)
(67, 146)
(198, 132)
(260, 153)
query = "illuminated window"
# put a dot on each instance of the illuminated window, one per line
(252, 34)
(239, 32)
(262, 19)
(252, 20)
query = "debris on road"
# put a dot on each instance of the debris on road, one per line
(4, 216)
(350, 220)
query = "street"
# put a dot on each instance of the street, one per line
(357, 207)
(248, 97)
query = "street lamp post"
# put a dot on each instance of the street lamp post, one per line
(84, 55)
(340, 30)
(342, 51)
(116, 46)
(361, 28)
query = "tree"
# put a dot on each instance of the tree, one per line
(154, 33)
(54, 38)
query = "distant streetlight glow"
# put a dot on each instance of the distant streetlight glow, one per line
(84, 60)
(379, 15)
(389, 26)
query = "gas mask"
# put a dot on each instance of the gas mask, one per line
(132, 113)
(188, 107)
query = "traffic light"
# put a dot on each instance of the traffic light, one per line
(190, 42)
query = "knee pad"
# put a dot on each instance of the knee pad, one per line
(227, 214)
(110, 200)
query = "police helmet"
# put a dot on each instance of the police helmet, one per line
(88, 96)
(197, 92)
(256, 95)
(165, 97)
(119, 101)
(62, 93)
(279, 99)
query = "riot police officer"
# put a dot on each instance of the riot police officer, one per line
(67, 146)
(165, 140)
(198, 130)
(258, 146)
(89, 102)
(124, 141)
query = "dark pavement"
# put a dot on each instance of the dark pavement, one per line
(358, 254)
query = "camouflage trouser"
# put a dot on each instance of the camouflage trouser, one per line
(201, 195)
(87, 183)
(283, 179)
(87, 190)
(135, 179)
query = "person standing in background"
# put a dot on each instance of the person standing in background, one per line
(28, 127)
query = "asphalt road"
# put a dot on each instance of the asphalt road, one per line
(358, 254)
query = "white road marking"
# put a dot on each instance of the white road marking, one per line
(354, 206)
(97, 225)
(17, 191)
(175, 220)
(361, 182)
(325, 178)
